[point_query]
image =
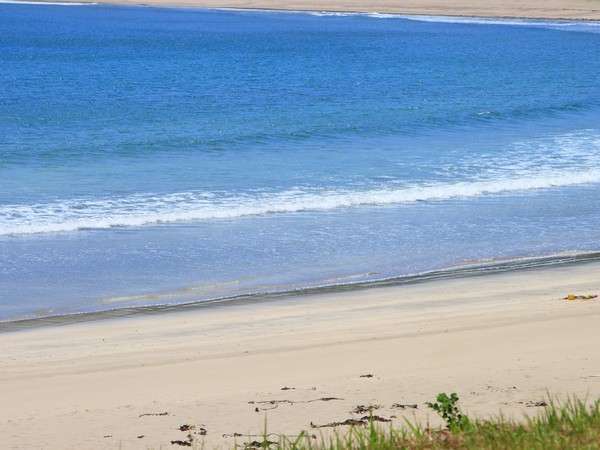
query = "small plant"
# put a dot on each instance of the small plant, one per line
(573, 424)
(445, 406)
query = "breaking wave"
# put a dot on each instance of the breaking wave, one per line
(138, 210)
(564, 25)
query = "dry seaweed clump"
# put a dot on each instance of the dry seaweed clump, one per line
(572, 297)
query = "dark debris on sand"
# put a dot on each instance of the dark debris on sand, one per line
(348, 422)
(272, 404)
(532, 404)
(154, 414)
(405, 406)
(259, 444)
(235, 434)
(362, 409)
(352, 422)
(190, 438)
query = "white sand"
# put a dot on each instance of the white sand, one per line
(497, 340)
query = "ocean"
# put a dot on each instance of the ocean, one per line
(155, 156)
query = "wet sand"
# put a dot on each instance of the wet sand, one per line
(500, 341)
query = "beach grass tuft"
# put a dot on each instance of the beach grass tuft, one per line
(571, 424)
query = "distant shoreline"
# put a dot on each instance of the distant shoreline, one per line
(511, 9)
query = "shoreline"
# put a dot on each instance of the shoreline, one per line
(502, 341)
(453, 272)
(475, 9)
(399, 14)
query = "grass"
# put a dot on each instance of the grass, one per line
(573, 424)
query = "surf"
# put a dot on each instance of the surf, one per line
(140, 210)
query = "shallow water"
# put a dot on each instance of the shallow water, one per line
(152, 156)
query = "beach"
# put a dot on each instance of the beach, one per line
(502, 341)
(218, 223)
(540, 9)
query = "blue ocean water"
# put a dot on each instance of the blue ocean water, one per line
(155, 156)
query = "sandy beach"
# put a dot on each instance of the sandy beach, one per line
(248, 216)
(500, 341)
(543, 9)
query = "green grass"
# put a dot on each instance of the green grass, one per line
(573, 424)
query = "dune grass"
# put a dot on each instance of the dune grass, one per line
(573, 424)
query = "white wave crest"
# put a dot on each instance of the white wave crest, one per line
(583, 25)
(469, 20)
(138, 210)
(590, 26)
(332, 13)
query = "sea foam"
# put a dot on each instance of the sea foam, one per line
(588, 26)
(139, 210)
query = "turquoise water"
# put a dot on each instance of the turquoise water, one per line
(152, 156)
